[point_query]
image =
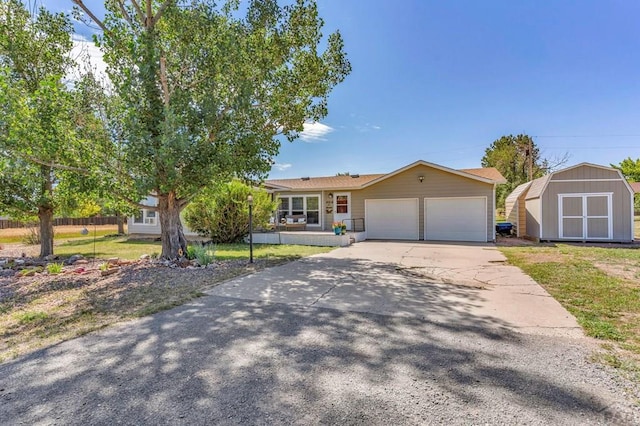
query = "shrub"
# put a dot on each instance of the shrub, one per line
(203, 253)
(33, 236)
(222, 213)
(54, 268)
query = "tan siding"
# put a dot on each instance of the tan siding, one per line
(586, 172)
(621, 205)
(521, 226)
(511, 210)
(436, 183)
(533, 218)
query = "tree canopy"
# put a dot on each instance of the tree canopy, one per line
(206, 92)
(47, 127)
(512, 156)
(630, 169)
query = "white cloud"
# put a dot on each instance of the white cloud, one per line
(376, 127)
(282, 166)
(315, 132)
(367, 128)
(88, 56)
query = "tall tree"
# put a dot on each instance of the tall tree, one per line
(207, 92)
(518, 159)
(45, 124)
(630, 169)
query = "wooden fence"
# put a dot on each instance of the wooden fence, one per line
(66, 221)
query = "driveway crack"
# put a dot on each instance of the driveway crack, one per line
(324, 294)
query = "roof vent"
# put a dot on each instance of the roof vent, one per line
(305, 178)
(355, 176)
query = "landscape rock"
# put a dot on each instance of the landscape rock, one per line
(81, 262)
(113, 261)
(51, 257)
(145, 257)
(74, 258)
(109, 272)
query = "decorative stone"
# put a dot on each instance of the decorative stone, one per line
(74, 258)
(113, 261)
(145, 257)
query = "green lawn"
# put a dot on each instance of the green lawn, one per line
(599, 286)
(58, 236)
(106, 247)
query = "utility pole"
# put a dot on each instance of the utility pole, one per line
(530, 159)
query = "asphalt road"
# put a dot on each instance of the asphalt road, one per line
(224, 360)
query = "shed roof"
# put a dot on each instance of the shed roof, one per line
(518, 191)
(635, 186)
(537, 187)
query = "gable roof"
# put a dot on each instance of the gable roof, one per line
(487, 175)
(635, 186)
(538, 186)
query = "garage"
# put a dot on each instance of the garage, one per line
(455, 219)
(395, 219)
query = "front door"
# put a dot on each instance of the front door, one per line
(342, 212)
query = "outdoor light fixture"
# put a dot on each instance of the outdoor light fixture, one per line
(250, 201)
(330, 195)
(420, 178)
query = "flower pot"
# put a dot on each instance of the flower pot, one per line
(337, 231)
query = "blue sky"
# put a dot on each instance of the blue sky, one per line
(440, 80)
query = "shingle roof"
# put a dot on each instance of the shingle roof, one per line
(518, 191)
(327, 182)
(358, 181)
(488, 173)
(537, 186)
(635, 186)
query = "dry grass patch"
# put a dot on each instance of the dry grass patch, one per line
(598, 285)
(45, 309)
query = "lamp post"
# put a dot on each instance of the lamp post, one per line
(250, 201)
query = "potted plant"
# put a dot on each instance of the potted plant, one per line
(337, 227)
(343, 229)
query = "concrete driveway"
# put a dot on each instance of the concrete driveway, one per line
(446, 283)
(359, 336)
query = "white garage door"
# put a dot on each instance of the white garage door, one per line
(392, 219)
(455, 219)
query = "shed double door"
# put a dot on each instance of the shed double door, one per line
(585, 216)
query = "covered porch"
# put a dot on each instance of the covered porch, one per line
(309, 238)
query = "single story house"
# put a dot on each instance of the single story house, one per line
(585, 202)
(421, 201)
(147, 222)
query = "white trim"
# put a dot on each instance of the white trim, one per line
(304, 207)
(432, 165)
(540, 217)
(483, 197)
(585, 180)
(493, 210)
(585, 216)
(146, 220)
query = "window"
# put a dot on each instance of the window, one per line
(139, 217)
(145, 217)
(150, 217)
(342, 204)
(308, 205)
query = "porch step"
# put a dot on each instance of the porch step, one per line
(351, 240)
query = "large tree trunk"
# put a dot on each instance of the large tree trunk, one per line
(45, 214)
(120, 221)
(174, 244)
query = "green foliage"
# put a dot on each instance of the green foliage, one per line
(54, 268)
(48, 128)
(205, 92)
(631, 171)
(203, 253)
(509, 155)
(222, 212)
